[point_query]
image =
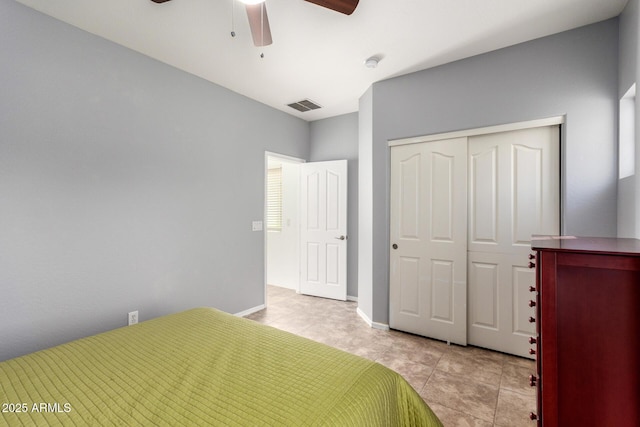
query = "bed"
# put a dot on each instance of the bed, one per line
(204, 367)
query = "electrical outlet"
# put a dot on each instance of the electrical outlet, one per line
(133, 317)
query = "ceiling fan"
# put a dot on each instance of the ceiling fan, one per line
(259, 22)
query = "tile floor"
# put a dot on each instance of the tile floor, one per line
(465, 386)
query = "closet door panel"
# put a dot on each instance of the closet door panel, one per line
(520, 182)
(428, 233)
(483, 197)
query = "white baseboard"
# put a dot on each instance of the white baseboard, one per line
(250, 311)
(364, 317)
(350, 298)
(371, 323)
(381, 326)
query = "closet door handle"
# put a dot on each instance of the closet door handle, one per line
(394, 246)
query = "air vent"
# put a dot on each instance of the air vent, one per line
(304, 105)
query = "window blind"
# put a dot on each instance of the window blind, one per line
(274, 199)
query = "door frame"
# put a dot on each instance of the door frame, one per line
(290, 159)
(549, 121)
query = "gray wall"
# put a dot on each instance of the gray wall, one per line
(573, 73)
(336, 138)
(629, 73)
(125, 184)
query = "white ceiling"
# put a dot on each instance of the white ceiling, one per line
(318, 53)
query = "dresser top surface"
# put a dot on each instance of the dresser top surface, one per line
(601, 245)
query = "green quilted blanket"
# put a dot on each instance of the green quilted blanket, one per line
(203, 367)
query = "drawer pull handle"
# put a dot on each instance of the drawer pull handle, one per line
(532, 351)
(532, 303)
(532, 256)
(532, 265)
(533, 416)
(532, 320)
(532, 340)
(532, 380)
(532, 288)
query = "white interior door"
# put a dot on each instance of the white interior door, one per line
(323, 231)
(514, 182)
(428, 234)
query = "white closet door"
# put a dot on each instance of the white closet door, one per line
(514, 182)
(428, 234)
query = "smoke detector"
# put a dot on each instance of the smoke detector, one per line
(371, 62)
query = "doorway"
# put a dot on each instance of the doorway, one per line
(305, 225)
(281, 221)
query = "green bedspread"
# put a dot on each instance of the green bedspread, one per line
(203, 367)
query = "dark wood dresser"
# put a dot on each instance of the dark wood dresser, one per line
(588, 331)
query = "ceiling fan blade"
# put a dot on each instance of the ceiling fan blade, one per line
(259, 24)
(343, 6)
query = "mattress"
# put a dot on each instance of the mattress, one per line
(204, 367)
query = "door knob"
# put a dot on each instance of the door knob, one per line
(394, 246)
(341, 238)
